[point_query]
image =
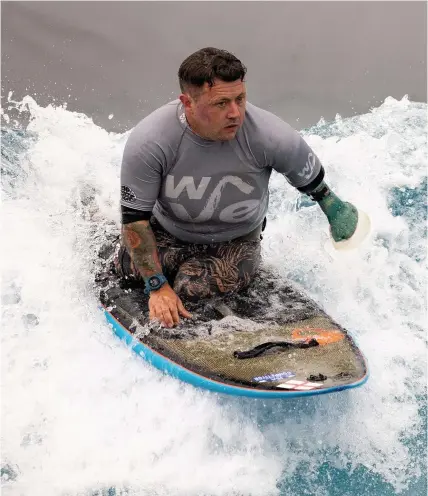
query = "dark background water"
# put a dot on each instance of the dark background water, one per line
(305, 59)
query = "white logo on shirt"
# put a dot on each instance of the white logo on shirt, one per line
(186, 183)
(236, 212)
(309, 167)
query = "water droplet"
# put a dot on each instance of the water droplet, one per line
(30, 320)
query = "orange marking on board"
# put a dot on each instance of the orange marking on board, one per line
(323, 336)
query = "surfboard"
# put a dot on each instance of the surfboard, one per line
(268, 341)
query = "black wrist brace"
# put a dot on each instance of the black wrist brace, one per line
(317, 189)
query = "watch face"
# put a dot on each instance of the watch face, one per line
(154, 281)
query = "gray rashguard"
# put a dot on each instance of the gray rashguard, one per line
(204, 191)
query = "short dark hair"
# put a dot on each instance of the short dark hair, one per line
(208, 64)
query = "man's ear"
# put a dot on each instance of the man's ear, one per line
(186, 100)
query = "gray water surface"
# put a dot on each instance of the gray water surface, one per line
(305, 60)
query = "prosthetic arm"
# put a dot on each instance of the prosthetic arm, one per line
(346, 221)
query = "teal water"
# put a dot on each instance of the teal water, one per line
(82, 416)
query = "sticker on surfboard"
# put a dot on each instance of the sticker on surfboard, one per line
(323, 336)
(274, 377)
(300, 385)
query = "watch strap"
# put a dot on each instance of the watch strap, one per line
(154, 282)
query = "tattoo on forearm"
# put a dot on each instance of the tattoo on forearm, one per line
(140, 242)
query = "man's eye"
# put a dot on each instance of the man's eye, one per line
(221, 104)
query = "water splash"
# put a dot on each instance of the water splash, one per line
(84, 416)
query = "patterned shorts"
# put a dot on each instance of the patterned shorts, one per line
(200, 270)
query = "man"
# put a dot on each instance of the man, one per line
(194, 186)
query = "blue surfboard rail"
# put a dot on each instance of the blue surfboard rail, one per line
(167, 366)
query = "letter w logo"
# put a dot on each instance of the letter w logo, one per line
(186, 183)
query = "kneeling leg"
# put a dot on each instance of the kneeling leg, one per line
(227, 269)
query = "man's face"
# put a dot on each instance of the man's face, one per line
(216, 112)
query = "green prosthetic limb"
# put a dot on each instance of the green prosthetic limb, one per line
(342, 216)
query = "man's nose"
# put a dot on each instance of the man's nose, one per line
(233, 111)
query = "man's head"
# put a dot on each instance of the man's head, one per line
(213, 93)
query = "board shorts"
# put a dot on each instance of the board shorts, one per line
(199, 270)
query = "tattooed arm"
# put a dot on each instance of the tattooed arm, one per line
(140, 242)
(164, 304)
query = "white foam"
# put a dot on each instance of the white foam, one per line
(81, 412)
